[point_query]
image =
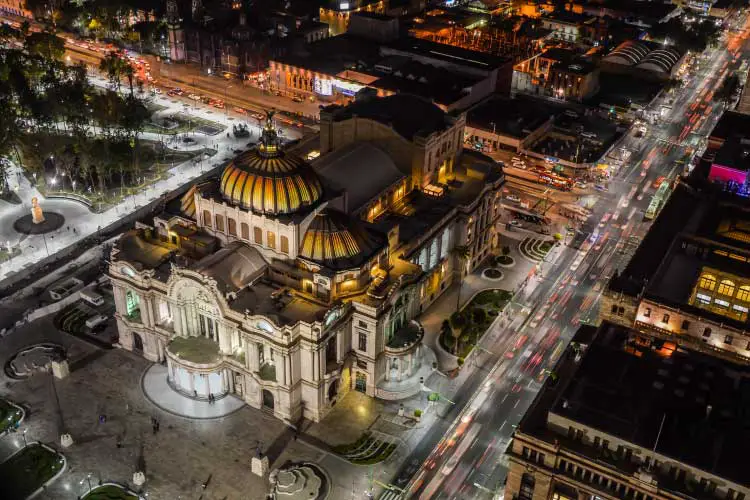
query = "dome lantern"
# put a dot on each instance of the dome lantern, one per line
(267, 181)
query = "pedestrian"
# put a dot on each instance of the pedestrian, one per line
(158, 424)
(119, 442)
(195, 394)
(102, 418)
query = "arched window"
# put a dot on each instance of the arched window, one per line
(207, 218)
(232, 226)
(271, 237)
(707, 282)
(220, 223)
(285, 245)
(245, 229)
(726, 287)
(743, 293)
(258, 235)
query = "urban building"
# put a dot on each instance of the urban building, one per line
(688, 282)
(517, 37)
(372, 54)
(509, 124)
(647, 60)
(565, 25)
(287, 282)
(627, 419)
(15, 8)
(558, 73)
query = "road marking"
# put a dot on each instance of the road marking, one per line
(503, 401)
(517, 401)
(501, 427)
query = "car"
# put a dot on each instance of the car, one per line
(600, 187)
(155, 90)
(297, 99)
(239, 110)
(218, 104)
(516, 223)
(96, 320)
(513, 197)
(195, 97)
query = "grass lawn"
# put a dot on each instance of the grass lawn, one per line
(367, 450)
(154, 164)
(29, 469)
(109, 492)
(195, 349)
(9, 415)
(5, 255)
(490, 302)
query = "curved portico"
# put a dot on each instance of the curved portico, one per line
(195, 368)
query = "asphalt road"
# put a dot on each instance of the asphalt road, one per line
(468, 460)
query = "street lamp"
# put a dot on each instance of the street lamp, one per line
(25, 443)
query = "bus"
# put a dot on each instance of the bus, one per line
(556, 181)
(573, 211)
(658, 201)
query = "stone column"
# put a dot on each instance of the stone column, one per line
(251, 356)
(339, 346)
(288, 369)
(120, 303)
(185, 326)
(282, 366)
(313, 362)
(177, 319)
(387, 369)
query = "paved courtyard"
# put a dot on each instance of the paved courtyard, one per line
(179, 458)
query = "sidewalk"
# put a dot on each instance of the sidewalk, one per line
(79, 219)
(474, 283)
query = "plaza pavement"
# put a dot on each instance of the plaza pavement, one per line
(84, 221)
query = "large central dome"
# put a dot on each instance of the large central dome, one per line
(267, 181)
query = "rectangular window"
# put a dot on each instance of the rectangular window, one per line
(271, 239)
(740, 308)
(721, 303)
(706, 332)
(261, 353)
(258, 235)
(362, 341)
(284, 245)
(525, 452)
(362, 324)
(702, 299)
(647, 313)
(685, 324)
(665, 318)
(361, 364)
(728, 340)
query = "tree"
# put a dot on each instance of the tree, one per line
(478, 315)
(46, 45)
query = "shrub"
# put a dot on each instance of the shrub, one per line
(449, 341)
(417, 413)
(478, 315)
(458, 320)
(460, 361)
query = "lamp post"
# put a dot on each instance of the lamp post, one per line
(25, 443)
(226, 95)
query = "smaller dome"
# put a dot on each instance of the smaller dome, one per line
(187, 202)
(338, 242)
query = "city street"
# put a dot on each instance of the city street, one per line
(467, 460)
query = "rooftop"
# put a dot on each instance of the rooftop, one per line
(408, 115)
(627, 390)
(511, 117)
(729, 124)
(735, 154)
(448, 53)
(362, 170)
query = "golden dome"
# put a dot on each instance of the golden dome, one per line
(187, 202)
(338, 242)
(267, 181)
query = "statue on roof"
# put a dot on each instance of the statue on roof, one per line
(269, 138)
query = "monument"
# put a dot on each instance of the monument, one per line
(37, 216)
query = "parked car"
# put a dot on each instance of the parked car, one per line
(96, 320)
(297, 99)
(513, 197)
